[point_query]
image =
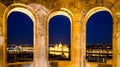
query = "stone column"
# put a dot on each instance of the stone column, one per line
(116, 40)
(1, 51)
(83, 48)
(40, 46)
(2, 9)
(75, 46)
(78, 52)
(83, 41)
(116, 47)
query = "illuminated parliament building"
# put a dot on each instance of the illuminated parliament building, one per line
(31, 37)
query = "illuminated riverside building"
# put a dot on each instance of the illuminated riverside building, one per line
(18, 49)
(17, 54)
(59, 49)
(98, 53)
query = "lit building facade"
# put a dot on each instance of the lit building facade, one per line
(59, 49)
(99, 53)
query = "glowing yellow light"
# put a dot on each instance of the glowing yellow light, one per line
(59, 49)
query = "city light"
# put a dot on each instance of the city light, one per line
(60, 50)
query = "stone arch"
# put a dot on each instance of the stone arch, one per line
(69, 15)
(95, 10)
(20, 8)
(62, 11)
(87, 16)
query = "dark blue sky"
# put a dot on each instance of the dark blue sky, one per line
(99, 28)
(19, 28)
(59, 30)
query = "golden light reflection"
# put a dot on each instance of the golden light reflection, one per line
(60, 49)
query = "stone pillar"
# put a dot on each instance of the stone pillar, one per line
(82, 41)
(1, 51)
(78, 55)
(83, 47)
(40, 47)
(116, 41)
(116, 47)
(2, 9)
(75, 47)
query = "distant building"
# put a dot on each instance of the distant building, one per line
(98, 53)
(18, 49)
(59, 49)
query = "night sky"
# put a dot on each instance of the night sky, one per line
(19, 28)
(59, 30)
(99, 28)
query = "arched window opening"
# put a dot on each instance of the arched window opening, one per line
(59, 38)
(20, 37)
(99, 38)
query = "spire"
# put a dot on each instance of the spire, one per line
(60, 43)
